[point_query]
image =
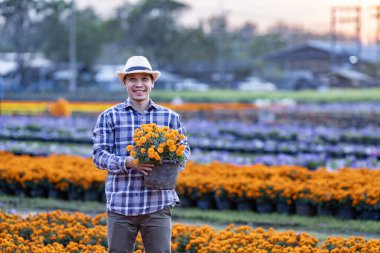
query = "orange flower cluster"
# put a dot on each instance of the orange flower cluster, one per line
(154, 144)
(59, 170)
(39, 107)
(61, 108)
(359, 188)
(76, 232)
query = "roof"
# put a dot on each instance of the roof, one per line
(368, 52)
(352, 74)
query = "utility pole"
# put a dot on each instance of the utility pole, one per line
(356, 19)
(333, 37)
(72, 49)
(377, 16)
(221, 37)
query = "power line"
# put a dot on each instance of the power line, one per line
(354, 16)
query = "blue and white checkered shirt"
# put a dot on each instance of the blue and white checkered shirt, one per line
(125, 190)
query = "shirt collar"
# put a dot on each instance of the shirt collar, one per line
(127, 104)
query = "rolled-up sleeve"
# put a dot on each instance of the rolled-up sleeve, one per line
(103, 146)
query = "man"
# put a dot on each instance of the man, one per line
(131, 206)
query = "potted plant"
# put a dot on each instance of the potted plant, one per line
(162, 147)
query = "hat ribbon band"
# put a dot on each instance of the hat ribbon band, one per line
(137, 68)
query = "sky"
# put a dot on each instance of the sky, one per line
(310, 14)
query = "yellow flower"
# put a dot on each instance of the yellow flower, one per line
(129, 148)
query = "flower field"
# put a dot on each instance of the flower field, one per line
(229, 141)
(41, 107)
(306, 160)
(76, 232)
(238, 187)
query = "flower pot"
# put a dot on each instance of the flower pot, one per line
(90, 195)
(325, 211)
(102, 196)
(74, 195)
(304, 209)
(19, 192)
(186, 202)
(370, 215)
(54, 193)
(245, 205)
(224, 204)
(264, 207)
(204, 204)
(37, 193)
(284, 208)
(162, 177)
(345, 213)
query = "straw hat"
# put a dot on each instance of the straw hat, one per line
(138, 64)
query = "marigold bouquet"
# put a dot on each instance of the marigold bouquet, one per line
(155, 144)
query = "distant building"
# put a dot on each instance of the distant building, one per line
(36, 66)
(322, 59)
(105, 76)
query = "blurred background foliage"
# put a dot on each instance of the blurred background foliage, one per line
(146, 27)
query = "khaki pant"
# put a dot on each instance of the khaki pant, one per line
(155, 229)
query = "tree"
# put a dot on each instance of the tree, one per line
(89, 29)
(21, 31)
(149, 27)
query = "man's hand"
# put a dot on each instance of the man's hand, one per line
(143, 168)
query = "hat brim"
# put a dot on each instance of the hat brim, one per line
(122, 74)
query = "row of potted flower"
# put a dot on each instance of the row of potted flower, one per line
(211, 136)
(345, 193)
(310, 161)
(74, 178)
(253, 147)
(40, 107)
(81, 128)
(59, 231)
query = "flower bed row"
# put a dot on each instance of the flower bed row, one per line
(40, 107)
(76, 232)
(310, 161)
(249, 139)
(355, 189)
(80, 130)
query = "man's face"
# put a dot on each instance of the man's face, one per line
(138, 86)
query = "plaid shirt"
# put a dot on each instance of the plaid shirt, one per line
(125, 190)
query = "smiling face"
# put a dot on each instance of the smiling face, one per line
(138, 87)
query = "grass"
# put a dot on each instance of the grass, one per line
(332, 95)
(321, 227)
(24, 204)
(215, 95)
